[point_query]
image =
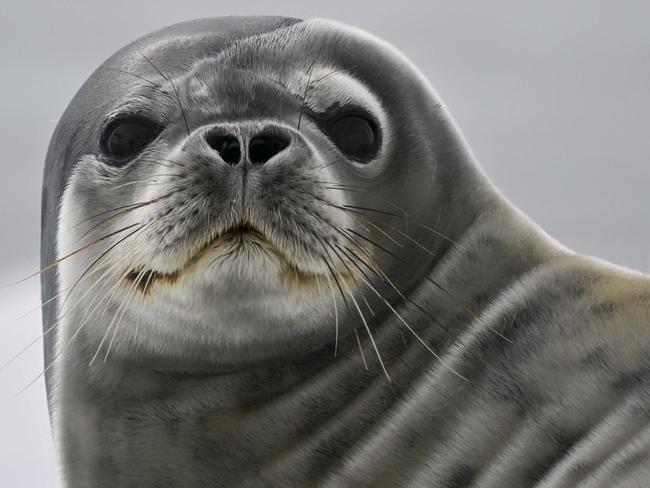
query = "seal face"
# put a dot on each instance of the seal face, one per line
(230, 193)
(278, 257)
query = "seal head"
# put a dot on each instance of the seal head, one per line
(279, 265)
(225, 187)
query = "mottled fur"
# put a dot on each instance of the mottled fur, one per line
(537, 372)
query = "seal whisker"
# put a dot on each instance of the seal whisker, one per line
(116, 265)
(121, 213)
(451, 295)
(336, 315)
(350, 272)
(429, 228)
(138, 182)
(356, 304)
(331, 270)
(173, 161)
(414, 241)
(412, 331)
(342, 261)
(178, 98)
(332, 73)
(40, 306)
(157, 161)
(331, 185)
(59, 320)
(367, 282)
(368, 209)
(405, 216)
(138, 320)
(367, 327)
(174, 164)
(340, 231)
(437, 285)
(338, 184)
(73, 253)
(356, 215)
(140, 228)
(363, 356)
(64, 348)
(354, 262)
(347, 306)
(107, 298)
(442, 288)
(122, 207)
(91, 273)
(304, 96)
(327, 164)
(104, 254)
(384, 277)
(127, 299)
(112, 270)
(365, 300)
(153, 84)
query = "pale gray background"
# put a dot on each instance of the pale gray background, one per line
(552, 97)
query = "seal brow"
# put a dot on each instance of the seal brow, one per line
(178, 98)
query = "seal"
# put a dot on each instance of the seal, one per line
(279, 265)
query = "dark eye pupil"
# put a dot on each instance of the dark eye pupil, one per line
(127, 138)
(355, 136)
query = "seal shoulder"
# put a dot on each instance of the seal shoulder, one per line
(588, 316)
(612, 298)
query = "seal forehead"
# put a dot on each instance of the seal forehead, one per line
(318, 87)
(309, 60)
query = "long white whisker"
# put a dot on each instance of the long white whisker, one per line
(365, 324)
(410, 329)
(336, 315)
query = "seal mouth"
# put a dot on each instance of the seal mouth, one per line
(232, 238)
(240, 232)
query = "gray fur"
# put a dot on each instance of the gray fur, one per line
(536, 372)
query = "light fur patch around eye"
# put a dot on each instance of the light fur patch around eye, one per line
(331, 85)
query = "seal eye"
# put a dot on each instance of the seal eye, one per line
(356, 136)
(125, 138)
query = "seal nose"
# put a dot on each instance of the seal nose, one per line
(261, 146)
(264, 146)
(227, 147)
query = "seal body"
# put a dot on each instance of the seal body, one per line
(281, 266)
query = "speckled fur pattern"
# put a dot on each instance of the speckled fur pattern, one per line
(510, 361)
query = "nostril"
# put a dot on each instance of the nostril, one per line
(264, 147)
(227, 147)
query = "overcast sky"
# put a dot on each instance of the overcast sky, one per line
(553, 99)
